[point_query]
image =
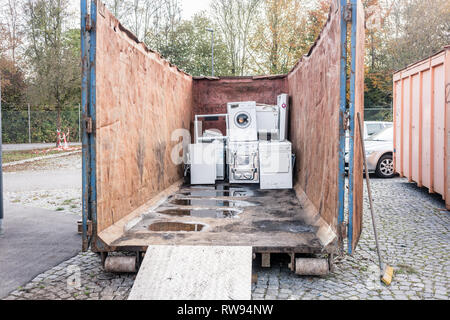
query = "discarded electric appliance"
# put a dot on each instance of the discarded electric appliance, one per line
(255, 144)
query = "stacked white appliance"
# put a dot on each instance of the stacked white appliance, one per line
(275, 151)
(242, 152)
(257, 149)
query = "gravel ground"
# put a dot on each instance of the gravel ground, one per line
(70, 162)
(32, 146)
(40, 196)
(413, 228)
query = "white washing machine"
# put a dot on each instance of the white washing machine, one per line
(275, 165)
(243, 162)
(242, 122)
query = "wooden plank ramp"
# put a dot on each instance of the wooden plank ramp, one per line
(194, 273)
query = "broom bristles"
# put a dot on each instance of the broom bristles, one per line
(387, 275)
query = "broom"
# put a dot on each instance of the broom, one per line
(387, 272)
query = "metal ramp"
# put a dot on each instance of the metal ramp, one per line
(194, 273)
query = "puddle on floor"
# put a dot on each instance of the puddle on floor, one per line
(176, 227)
(203, 203)
(200, 213)
(212, 194)
(222, 190)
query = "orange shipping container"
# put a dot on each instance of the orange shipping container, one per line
(422, 123)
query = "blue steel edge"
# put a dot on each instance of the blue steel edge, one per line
(342, 111)
(92, 112)
(84, 99)
(352, 127)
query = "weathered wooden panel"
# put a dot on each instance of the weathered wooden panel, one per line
(314, 86)
(358, 186)
(141, 100)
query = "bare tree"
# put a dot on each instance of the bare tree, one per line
(236, 19)
(53, 65)
(11, 27)
(415, 29)
(151, 21)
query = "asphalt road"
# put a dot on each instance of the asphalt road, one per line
(31, 146)
(52, 174)
(41, 180)
(34, 241)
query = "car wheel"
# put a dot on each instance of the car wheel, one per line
(385, 167)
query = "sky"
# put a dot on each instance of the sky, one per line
(190, 7)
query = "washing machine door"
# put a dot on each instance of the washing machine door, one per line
(243, 124)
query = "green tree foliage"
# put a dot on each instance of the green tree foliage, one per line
(190, 48)
(13, 84)
(399, 33)
(54, 62)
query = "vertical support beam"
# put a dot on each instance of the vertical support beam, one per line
(410, 174)
(29, 124)
(342, 119)
(265, 260)
(432, 124)
(85, 111)
(402, 129)
(352, 119)
(447, 126)
(1, 163)
(79, 123)
(420, 182)
(92, 113)
(394, 114)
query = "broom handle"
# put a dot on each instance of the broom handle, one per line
(369, 190)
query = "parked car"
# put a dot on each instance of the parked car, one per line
(373, 127)
(379, 153)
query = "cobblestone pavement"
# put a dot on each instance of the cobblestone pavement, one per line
(413, 229)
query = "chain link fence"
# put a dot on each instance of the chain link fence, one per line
(39, 126)
(378, 114)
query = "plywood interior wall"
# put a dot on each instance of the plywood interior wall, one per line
(141, 100)
(314, 86)
(211, 95)
(421, 123)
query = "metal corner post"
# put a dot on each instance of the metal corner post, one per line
(92, 114)
(84, 97)
(352, 126)
(1, 163)
(342, 117)
(88, 43)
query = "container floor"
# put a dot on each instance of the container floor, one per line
(227, 215)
